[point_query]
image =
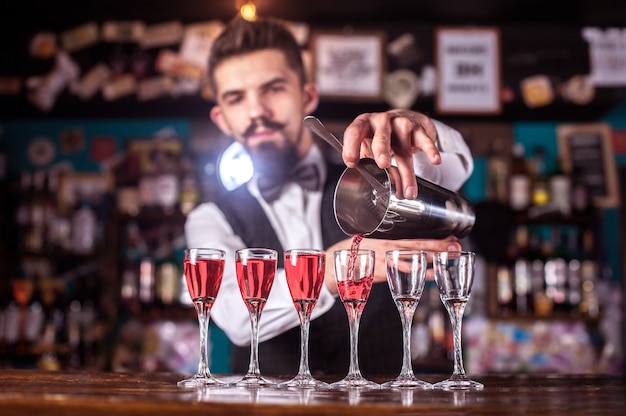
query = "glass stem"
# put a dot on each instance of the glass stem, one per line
(407, 319)
(305, 322)
(203, 310)
(255, 315)
(354, 318)
(456, 319)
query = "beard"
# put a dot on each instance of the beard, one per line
(272, 161)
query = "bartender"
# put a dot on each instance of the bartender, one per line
(261, 97)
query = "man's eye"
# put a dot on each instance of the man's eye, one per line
(232, 100)
(277, 88)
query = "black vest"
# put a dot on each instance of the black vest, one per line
(380, 332)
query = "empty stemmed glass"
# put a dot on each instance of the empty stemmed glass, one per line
(304, 270)
(454, 274)
(406, 276)
(204, 269)
(354, 273)
(256, 268)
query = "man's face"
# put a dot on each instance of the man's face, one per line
(261, 103)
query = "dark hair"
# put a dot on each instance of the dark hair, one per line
(242, 36)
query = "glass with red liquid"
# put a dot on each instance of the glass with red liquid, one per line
(204, 269)
(354, 273)
(304, 270)
(256, 268)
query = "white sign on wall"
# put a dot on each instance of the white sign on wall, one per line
(468, 67)
(607, 56)
(349, 66)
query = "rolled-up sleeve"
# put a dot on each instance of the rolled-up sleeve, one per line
(456, 165)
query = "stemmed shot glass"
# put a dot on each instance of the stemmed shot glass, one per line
(406, 276)
(204, 269)
(304, 270)
(256, 268)
(354, 273)
(454, 274)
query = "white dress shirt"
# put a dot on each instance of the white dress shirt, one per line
(295, 217)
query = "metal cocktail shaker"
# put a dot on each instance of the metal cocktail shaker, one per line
(435, 213)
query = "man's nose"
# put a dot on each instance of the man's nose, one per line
(256, 106)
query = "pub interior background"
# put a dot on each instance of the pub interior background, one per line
(106, 144)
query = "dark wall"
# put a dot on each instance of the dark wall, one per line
(536, 38)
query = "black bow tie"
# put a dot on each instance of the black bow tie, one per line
(307, 176)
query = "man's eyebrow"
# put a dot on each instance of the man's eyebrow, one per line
(265, 85)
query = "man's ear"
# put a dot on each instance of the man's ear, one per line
(311, 98)
(218, 118)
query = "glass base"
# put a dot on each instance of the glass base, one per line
(303, 382)
(201, 381)
(458, 383)
(407, 381)
(354, 381)
(250, 380)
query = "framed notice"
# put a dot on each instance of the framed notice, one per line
(349, 66)
(468, 68)
(586, 150)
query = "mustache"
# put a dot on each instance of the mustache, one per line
(262, 122)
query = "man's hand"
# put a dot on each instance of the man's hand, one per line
(397, 133)
(380, 247)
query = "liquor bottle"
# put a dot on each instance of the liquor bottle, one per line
(189, 194)
(498, 173)
(560, 185)
(540, 193)
(147, 280)
(542, 304)
(436, 324)
(167, 272)
(73, 333)
(555, 273)
(53, 322)
(580, 196)
(504, 290)
(33, 327)
(129, 289)
(589, 303)
(574, 291)
(519, 180)
(22, 210)
(55, 223)
(11, 327)
(35, 236)
(523, 286)
(84, 227)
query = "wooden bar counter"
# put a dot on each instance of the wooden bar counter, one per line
(31, 392)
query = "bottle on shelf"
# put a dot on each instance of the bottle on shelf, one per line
(51, 337)
(542, 303)
(523, 287)
(519, 179)
(147, 281)
(36, 233)
(540, 192)
(560, 186)
(22, 210)
(504, 290)
(498, 173)
(167, 271)
(189, 194)
(84, 226)
(589, 302)
(580, 198)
